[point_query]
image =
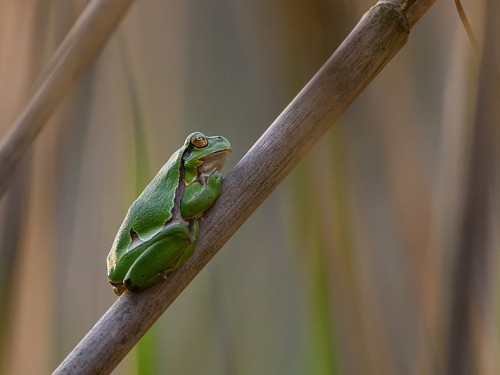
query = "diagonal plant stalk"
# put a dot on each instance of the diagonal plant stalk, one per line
(379, 35)
(76, 52)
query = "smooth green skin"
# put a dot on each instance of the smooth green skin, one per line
(160, 228)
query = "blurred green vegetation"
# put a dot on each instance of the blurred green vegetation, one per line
(346, 269)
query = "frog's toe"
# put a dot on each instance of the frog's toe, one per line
(119, 289)
(128, 284)
(216, 175)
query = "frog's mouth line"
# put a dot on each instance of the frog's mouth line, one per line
(213, 161)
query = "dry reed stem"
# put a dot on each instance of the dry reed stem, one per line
(77, 51)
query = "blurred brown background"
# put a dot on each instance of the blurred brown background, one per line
(359, 263)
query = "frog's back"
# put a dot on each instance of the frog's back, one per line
(154, 206)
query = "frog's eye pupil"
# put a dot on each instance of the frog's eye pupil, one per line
(199, 140)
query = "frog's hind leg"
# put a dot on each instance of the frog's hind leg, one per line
(161, 255)
(183, 256)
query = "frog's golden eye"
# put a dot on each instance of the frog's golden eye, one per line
(199, 140)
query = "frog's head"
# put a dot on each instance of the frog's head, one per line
(203, 155)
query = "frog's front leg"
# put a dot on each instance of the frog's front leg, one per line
(198, 197)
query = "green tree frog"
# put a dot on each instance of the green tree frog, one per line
(161, 227)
